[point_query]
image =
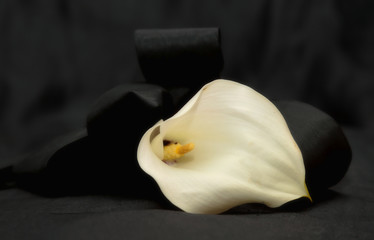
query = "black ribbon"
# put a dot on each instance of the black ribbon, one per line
(102, 157)
(179, 57)
(325, 149)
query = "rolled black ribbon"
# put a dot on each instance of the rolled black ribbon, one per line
(179, 57)
(325, 149)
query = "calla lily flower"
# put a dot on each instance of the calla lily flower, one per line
(228, 146)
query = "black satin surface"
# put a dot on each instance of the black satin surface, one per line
(80, 82)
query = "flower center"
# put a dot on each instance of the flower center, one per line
(175, 150)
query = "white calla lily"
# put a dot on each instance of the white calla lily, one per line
(241, 152)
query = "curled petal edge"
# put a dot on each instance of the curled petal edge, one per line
(223, 172)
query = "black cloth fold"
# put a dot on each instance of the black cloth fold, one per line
(101, 158)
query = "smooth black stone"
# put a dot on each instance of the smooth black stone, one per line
(326, 152)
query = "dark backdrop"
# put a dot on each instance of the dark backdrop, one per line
(58, 56)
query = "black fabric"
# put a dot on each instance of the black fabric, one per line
(102, 157)
(179, 57)
(181, 60)
(325, 149)
(58, 57)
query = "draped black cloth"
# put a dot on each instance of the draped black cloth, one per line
(68, 69)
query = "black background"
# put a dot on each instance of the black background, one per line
(58, 56)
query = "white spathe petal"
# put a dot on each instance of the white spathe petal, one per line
(244, 152)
